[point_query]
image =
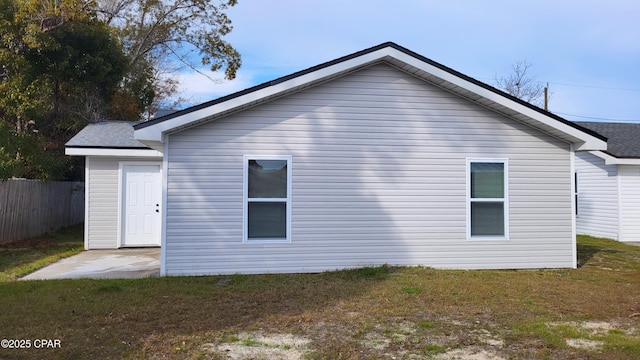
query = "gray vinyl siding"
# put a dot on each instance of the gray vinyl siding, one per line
(102, 210)
(629, 203)
(378, 176)
(597, 196)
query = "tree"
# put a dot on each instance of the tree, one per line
(61, 67)
(82, 77)
(64, 63)
(522, 85)
(161, 37)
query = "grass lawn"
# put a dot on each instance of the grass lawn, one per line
(592, 312)
(20, 258)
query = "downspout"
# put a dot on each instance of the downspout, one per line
(572, 171)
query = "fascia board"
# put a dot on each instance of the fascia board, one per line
(112, 152)
(627, 161)
(612, 160)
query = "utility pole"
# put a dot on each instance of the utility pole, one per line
(546, 97)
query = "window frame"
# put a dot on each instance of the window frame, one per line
(246, 200)
(504, 200)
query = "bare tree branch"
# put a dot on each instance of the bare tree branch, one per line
(521, 84)
(172, 34)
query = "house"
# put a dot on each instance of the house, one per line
(381, 156)
(608, 184)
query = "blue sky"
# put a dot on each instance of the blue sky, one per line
(588, 51)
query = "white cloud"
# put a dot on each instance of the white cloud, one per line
(196, 88)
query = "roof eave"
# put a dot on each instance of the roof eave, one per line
(581, 139)
(613, 160)
(111, 151)
(152, 134)
(500, 102)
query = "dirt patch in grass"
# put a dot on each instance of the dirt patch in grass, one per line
(377, 342)
(260, 345)
(444, 339)
(397, 339)
(596, 328)
(468, 354)
(585, 344)
(595, 335)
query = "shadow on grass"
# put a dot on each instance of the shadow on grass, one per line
(605, 252)
(586, 252)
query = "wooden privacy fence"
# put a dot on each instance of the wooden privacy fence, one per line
(31, 208)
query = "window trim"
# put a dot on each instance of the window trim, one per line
(246, 200)
(504, 200)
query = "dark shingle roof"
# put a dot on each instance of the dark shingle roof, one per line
(107, 134)
(624, 138)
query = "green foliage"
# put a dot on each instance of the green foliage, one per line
(26, 155)
(61, 68)
(81, 77)
(68, 62)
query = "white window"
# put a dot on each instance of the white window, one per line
(487, 194)
(267, 199)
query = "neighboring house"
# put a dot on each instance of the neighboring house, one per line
(382, 156)
(608, 184)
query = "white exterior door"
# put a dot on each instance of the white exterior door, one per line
(141, 195)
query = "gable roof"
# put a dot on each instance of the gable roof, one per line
(624, 138)
(152, 132)
(107, 138)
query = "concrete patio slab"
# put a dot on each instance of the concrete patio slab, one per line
(103, 264)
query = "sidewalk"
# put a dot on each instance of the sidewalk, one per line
(103, 264)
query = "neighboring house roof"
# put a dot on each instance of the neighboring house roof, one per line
(152, 132)
(108, 138)
(624, 138)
